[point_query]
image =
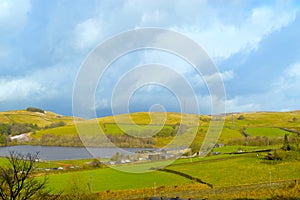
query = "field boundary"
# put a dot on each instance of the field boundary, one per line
(186, 176)
(289, 130)
(241, 155)
(193, 190)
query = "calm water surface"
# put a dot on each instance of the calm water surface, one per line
(67, 153)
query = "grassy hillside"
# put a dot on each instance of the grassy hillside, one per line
(226, 169)
(135, 124)
(235, 121)
(41, 119)
(240, 171)
(270, 132)
(264, 119)
(255, 119)
(220, 171)
(153, 118)
(148, 124)
(128, 122)
(68, 130)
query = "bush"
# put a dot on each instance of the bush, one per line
(31, 109)
(5, 129)
(241, 117)
(165, 132)
(17, 129)
(286, 144)
(282, 155)
(56, 124)
(179, 129)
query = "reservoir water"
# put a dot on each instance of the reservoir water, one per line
(67, 153)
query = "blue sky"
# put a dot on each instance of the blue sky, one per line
(254, 44)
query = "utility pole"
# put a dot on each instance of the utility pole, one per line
(232, 121)
(90, 184)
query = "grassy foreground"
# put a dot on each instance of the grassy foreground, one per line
(220, 171)
(240, 171)
(110, 179)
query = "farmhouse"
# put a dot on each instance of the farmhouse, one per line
(20, 138)
(218, 145)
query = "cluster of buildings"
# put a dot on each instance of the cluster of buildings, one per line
(162, 154)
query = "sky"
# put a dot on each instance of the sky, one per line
(253, 44)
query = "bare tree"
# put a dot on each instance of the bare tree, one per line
(17, 181)
(79, 189)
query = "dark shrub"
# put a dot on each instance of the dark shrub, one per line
(31, 109)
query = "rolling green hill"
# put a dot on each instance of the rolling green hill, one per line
(255, 124)
(146, 118)
(249, 140)
(254, 119)
(264, 119)
(41, 119)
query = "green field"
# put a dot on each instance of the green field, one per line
(239, 171)
(269, 132)
(147, 124)
(264, 119)
(220, 171)
(55, 164)
(153, 118)
(113, 129)
(2, 161)
(136, 130)
(230, 149)
(64, 130)
(110, 179)
(204, 159)
(223, 170)
(228, 133)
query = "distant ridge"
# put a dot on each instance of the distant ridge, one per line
(143, 118)
(34, 116)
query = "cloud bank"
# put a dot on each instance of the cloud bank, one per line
(253, 43)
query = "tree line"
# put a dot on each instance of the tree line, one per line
(13, 129)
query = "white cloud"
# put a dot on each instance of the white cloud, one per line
(289, 82)
(13, 13)
(242, 29)
(221, 40)
(18, 89)
(293, 71)
(283, 95)
(224, 76)
(45, 83)
(88, 34)
(222, 30)
(242, 104)
(153, 18)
